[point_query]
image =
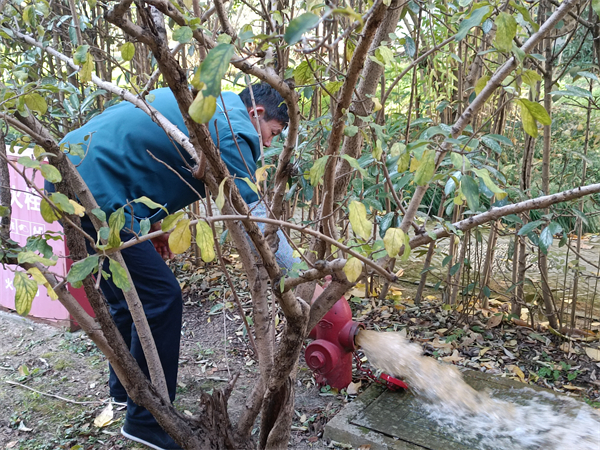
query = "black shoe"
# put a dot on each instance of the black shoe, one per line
(154, 437)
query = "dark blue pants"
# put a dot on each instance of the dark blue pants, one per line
(160, 295)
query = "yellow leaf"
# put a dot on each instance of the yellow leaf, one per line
(79, 210)
(393, 241)
(353, 269)
(105, 417)
(377, 104)
(220, 201)
(25, 290)
(358, 219)
(181, 237)
(480, 84)
(85, 73)
(205, 241)
(39, 278)
(261, 172)
(203, 108)
(518, 372)
(593, 353)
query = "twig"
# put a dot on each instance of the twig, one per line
(14, 383)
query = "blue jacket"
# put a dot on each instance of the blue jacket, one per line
(118, 168)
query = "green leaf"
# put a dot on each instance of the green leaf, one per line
(393, 241)
(169, 221)
(150, 204)
(470, 190)
(214, 67)
(318, 170)
(81, 54)
(299, 26)
(506, 31)
(32, 258)
(377, 150)
(538, 112)
(546, 239)
(85, 72)
(397, 149)
(480, 84)
(303, 74)
(525, 13)
(101, 215)
(531, 77)
(119, 275)
(332, 86)
(76, 150)
(358, 219)
(62, 202)
(127, 51)
(596, 6)
(83, 268)
(352, 269)
(205, 241)
(116, 222)
(180, 238)
(426, 168)
(26, 161)
(36, 102)
(404, 161)
(47, 212)
(485, 176)
(144, 226)
(355, 164)
(25, 290)
(350, 130)
(474, 20)
(528, 228)
(220, 201)
(50, 173)
(183, 34)
(529, 124)
(203, 108)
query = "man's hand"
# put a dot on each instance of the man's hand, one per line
(161, 243)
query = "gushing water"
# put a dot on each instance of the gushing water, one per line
(476, 417)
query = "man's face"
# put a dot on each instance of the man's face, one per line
(268, 129)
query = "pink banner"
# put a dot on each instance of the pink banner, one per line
(26, 220)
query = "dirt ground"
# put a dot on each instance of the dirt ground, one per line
(53, 384)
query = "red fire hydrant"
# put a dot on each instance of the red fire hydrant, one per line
(330, 354)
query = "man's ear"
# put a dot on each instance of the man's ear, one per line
(260, 111)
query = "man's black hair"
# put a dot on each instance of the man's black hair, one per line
(268, 98)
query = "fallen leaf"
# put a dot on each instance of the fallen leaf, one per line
(573, 388)
(303, 418)
(566, 347)
(353, 388)
(22, 427)
(437, 343)
(441, 331)
(105, 417)
(11, 444)
(483, 350)
(454, 357)
(494, 321)
(593, 353)
(518, 372)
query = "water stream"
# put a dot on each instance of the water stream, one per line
(472, 416)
